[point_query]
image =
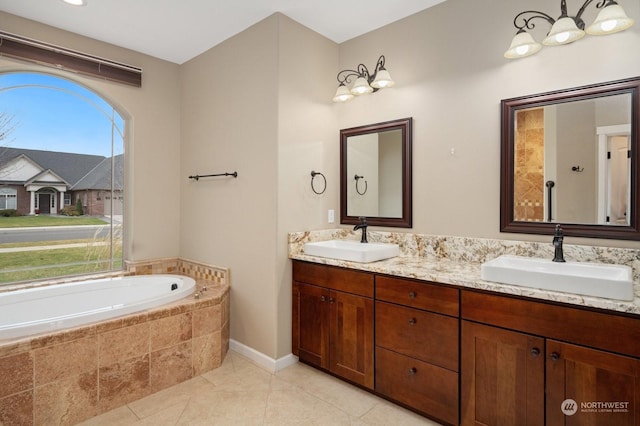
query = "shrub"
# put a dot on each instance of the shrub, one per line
(9, 213)
(69, 211)
(79, 209)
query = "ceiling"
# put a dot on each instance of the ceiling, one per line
(178, 30)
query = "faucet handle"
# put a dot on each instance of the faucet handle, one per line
(558, 232)
(363, 220)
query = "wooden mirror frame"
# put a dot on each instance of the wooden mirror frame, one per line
(511, 106)
(404, 124)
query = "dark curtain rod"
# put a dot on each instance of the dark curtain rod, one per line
(197, 177)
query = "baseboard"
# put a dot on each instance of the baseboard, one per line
(264, 361)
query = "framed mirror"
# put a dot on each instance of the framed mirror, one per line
(375, 174)
(571, 157)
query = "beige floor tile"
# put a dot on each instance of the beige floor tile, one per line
(163, 416)
(385, 413)
(220, 407)
(119, 416)
(241, 376)
(349, 398)
(297, 407)
(175, 395)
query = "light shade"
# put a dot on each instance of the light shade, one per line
(342, 94)
(564, 31)
(76, 2)
(611, 19)
(361, 86)
(383, 79)
(522, 45)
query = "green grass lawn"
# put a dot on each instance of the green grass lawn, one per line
(31, 221)
(53, 262)
(32, 265)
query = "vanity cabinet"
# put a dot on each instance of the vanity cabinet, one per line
(333, 320)
(417, 345)
(523, 362)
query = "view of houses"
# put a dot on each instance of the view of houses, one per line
(45, 182)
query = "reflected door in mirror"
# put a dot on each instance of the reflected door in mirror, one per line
(571, 157)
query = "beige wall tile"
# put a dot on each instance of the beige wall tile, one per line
(65, 360)
(17, 409)
(170, 366)
(123, 382)
(170, 331)
(206, 353)
(124, 343)
(206, 320)
(68, 401)
(16, 373)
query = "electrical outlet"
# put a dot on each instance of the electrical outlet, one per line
(331, 216)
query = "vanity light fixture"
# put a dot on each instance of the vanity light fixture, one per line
(364, 83)
(566, 29)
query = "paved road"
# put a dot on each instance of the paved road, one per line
(52, 233)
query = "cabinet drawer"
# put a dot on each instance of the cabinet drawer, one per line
(333, 277)
(418, 294)
(425, 387)
(423, 335)
(610, 332)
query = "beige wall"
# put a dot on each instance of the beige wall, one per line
(152, 141)
(257, 104)
(450, 77)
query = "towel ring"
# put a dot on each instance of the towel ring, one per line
(357, 178)
(313, 176)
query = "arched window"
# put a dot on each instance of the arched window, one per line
(61, 144)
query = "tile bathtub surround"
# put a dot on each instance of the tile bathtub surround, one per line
(457, 260)
(72, 375)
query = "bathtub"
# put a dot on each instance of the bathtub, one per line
(46, 309)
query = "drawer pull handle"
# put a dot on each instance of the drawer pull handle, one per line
(412, 295)
(413, 371)
(555, 356)
(412, 321)
(535, 351)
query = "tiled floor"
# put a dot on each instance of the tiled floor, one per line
(240, 393)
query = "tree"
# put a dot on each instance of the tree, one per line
(7, 126)
(79, 209)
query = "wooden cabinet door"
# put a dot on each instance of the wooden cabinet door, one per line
(593, 387)
(351, 337)
(311, 324)
(502, 377)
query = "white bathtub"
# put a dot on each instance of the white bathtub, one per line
(45, 309)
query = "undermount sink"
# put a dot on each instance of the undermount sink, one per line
(353, 251)
(589, 279)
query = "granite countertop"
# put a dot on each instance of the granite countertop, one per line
(465, 274)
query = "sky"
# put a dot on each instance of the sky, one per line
(54, 114)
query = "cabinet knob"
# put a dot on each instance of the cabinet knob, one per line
(412, 321)
(331, 300)
(535, 351)
(555, 356)
(413, 371)
(323, 299)
(412, 295)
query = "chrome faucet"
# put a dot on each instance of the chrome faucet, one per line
(558, 255)
(362, 225)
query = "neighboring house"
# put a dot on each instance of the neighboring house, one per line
(34, 181)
